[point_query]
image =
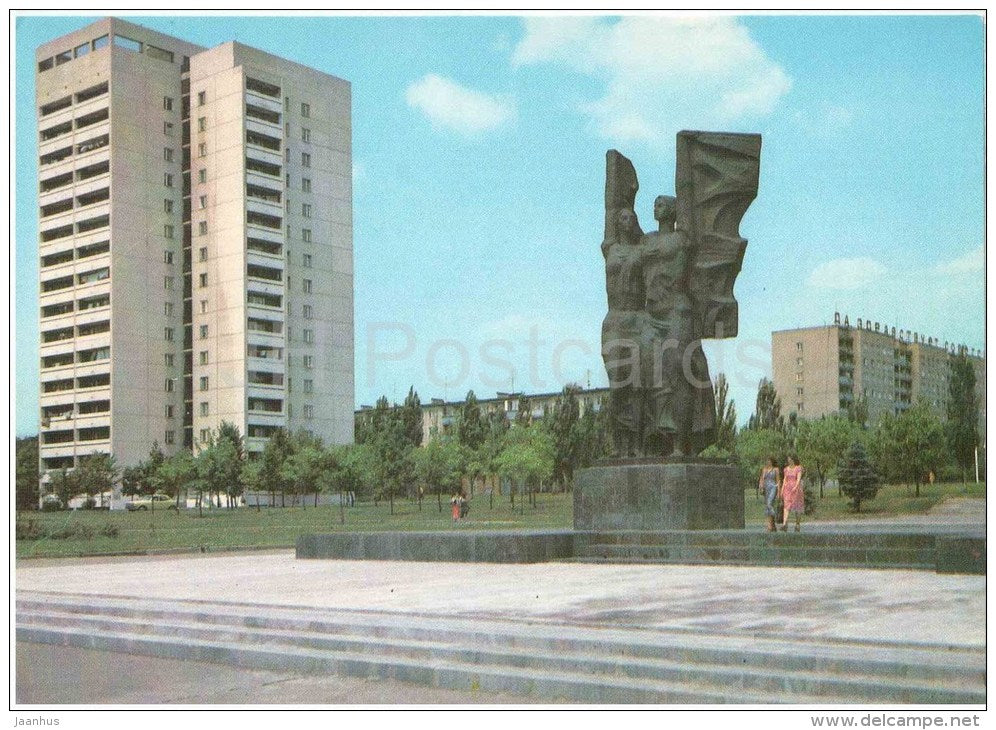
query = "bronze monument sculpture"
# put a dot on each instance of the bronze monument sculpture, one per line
(671, 288)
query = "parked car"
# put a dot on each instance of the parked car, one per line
(146, 502)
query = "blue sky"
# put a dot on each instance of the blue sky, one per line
(478, 153)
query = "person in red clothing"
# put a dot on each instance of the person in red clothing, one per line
(792, 494)
(455, 505)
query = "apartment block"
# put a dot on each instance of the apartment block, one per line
(195, 244)
(822, 370)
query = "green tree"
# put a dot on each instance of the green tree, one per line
(858, 479)
(963, 413)
(96, 474)
(822, 444)
(439, 467)
(302, 470)
(524, 416)
(27, 472)
(218, 468)
(471, 429)
(907, 447)
(277, 449)
(857, 412)
(176, 474)
(527, 458)
(753, 447)
(768, 409)
(64, 484)
(726, 415)
(563, 428)
(411, 418)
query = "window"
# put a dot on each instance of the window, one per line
(307, 286)
(308, 361)
(204, 306)
(306, 260)
(202, 175)
(168, 129)
(202, 149)
(305, 159)
(167, 282)
(201, 98)
(305, 134)
(309, 336)
(205, 409)
(204, 331)
(168, 334)
(287, 129)
(306, 184)
(167, 103)
(169, 384)
(798, 346)
(168, 180)
(202, 254)
(203, 279)
(305, 110)
(309, 411)
(167, 206)
(203, 357)
(798, 361)
(167, 257)
(205, 435)
(306, 235)
(168, 154)
(287, 154)
(202, 202)
(798, 391)
(168, 231)
(306, 210)
(170, 436)
(306, 311)
(202, 228)
(204, 382)
(169, 411)
(798, 377)
(309, 385)
(202, 124)
(168, 309)
(799, 406)
(169, 359)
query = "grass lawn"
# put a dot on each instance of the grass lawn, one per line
(92, 532)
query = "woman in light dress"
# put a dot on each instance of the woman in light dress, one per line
(792, 493)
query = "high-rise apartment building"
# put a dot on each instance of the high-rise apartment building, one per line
(195, 242)
(822, 370)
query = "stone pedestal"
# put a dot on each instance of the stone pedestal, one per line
(645, 494)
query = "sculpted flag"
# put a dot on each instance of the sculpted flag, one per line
(715, 181)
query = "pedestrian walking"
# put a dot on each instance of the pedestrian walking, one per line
(792, 492)
(769, 484)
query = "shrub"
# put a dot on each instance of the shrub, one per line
(858, 479)
(109, 530)
(28, 530)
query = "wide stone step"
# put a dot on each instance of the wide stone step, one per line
(765, 554)
(718, 677)
(701, 664)
(569, 687)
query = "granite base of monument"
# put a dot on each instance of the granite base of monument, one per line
(654, 494)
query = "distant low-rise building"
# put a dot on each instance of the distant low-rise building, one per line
(439, 416)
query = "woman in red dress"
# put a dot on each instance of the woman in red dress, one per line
(792, 493)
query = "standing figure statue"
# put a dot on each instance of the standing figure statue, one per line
(669, 289)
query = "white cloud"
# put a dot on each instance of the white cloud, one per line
(448, 104)
(846, 273)
(970, 263)
(661, 73)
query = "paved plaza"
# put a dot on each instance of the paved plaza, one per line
(875, 611)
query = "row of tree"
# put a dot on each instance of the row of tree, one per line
(481, 448)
